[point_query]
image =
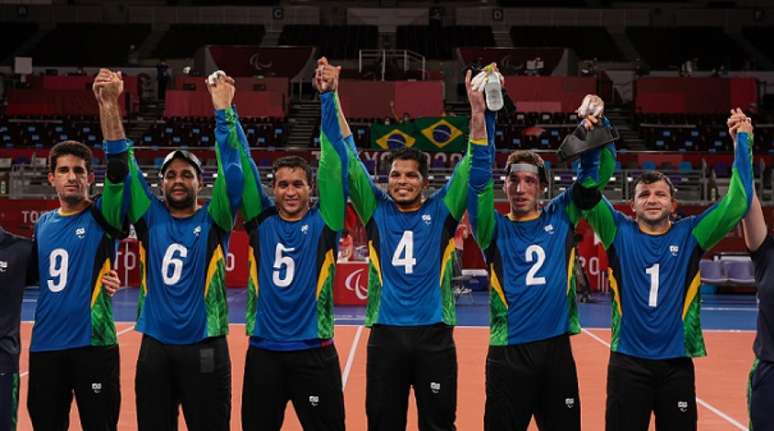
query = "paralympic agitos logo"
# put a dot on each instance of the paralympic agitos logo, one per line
(356, 283)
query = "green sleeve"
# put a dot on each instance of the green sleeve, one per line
(602, 220)
(716, 221)
(455, 192)
(112, 204)
(481, 206)
(362, 190)
(132, 196)
(332, 175)
(230, 151)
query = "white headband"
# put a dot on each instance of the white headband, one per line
(523, 167)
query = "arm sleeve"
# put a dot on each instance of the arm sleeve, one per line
(135, 197)
(230, 151)
(603, 219)
(455, 191)
(364, 194)
(716, 221)
(595, 169)
(480, 202)
(332, 175)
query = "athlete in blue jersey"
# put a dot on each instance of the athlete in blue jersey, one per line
(182, 309)
(760, 391)
(410, 299)
(654, 279)
(290, 291)
(73, 348)
(530, 252)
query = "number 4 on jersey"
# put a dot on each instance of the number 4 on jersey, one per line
(404, 253)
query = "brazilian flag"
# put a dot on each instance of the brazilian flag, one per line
(395, 138)
(430, 134)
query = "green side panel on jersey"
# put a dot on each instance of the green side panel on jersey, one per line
(498, 320)
(215, 302)
(694, 339)
(325, 307)
(374, 295)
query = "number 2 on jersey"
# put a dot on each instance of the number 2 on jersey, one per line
(404, 253)
(535, 253)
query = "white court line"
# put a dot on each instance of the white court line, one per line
(699, 401)
(120, 333)
(351, 357)
(729, 309)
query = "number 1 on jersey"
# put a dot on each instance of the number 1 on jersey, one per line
(653, 273)
(404, 253)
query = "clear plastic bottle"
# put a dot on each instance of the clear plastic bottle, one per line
(493, 92)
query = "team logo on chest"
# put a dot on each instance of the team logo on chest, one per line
(305, 229)
(427, 218)
(549, 229)
(674, 249)
(3, 265)
(197, 230)
(80, 232)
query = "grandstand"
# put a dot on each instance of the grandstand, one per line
(669, 73)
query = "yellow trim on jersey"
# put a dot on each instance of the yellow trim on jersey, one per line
(253, 268)
(448, 254)
(614, 288)
(217, 256)
(570, 268)
(693, 290)
(325, 271)
(144, 262)
(498, 288)
(98, 282)
(482, 141)
(511, 217)
(373, 256)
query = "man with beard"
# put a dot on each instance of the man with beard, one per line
(411, 310)
(73, 348)
(530, 369)
(182, 309)
(654, 280)
(290, 299)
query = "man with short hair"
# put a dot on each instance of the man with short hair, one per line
(74, 348)
(290, 291)
(182, 309)
(654, 279)
(530, 369)
(411, 310)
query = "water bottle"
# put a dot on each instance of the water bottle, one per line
(493, 92)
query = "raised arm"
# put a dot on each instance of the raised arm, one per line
(754, 225)
(332, 181)
(337, 137)
(231, 152)
(455, 192)
(481, 209)
(126, 192)
(596, 167)
(716, 221)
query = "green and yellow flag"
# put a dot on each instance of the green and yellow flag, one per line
(432, 134)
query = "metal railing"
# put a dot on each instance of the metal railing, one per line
(406, 59)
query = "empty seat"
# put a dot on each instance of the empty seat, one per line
(712, 272)
(740, 273)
